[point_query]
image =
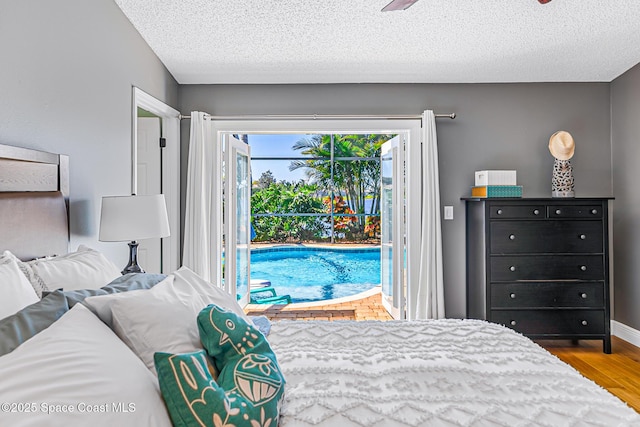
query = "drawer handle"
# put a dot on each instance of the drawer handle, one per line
(558, 211)
(594, 211)
(583, 267)
(499, 212)
(512, 268)
(583, 236)
(513, 323)
(512, 237)
(583, 295)
(536, 211)
(512, 296)
(584, 323)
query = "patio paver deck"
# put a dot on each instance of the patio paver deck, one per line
(366, 308)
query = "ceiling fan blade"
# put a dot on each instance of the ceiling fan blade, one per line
(400, 5)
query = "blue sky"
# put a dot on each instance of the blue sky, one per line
(270, 145)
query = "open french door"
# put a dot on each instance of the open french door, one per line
(392, 219)
(237, 218)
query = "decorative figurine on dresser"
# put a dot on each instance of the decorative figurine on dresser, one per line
(562, 148)
(540, 266)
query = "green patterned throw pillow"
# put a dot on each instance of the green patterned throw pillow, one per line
(189, 390)
(250, 383)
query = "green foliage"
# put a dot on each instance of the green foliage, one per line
(266, 179)
(288, 198)
(355, 180)
(350, 182)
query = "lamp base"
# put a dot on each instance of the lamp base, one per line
(133, 266)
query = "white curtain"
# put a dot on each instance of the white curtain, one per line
(198, 228)
(430, 296)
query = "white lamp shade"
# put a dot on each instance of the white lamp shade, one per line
(126, 218)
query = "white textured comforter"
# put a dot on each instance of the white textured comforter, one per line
(432, 373)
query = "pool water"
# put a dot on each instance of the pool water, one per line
(317, 274)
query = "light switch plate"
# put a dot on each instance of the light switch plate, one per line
(448, 212)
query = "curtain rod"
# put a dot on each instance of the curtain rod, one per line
(322, 117)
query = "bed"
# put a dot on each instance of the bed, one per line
(92, 347)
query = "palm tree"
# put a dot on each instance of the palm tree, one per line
(319, 167)
(352, 178)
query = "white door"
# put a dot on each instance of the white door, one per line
(148, 183)
(237, 218)
(392, 218)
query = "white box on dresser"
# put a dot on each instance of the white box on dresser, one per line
(495, 177)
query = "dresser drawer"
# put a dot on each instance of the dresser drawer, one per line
(517, 211)
(547, 294)
(511, 268)
(575, 211)
(561, 236)
(552, 322)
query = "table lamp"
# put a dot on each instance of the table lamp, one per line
(132, 218)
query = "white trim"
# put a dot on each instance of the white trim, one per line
(410, 128)
(625, 332)
(170, 167)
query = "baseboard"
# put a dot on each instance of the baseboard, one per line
(625, 332)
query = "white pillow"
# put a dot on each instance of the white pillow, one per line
(84, 269)
(36, 283)
(15, 290)
(162, 318)
(211, 293)
(78, 363)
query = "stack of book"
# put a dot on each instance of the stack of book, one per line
(496, 183)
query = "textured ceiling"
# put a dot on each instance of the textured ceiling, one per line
(352, 41)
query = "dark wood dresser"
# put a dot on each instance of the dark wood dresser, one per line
(540, 266)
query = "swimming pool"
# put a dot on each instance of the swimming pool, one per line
(317, 274)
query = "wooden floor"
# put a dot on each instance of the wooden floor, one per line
(618, 372)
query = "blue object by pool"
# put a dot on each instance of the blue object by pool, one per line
(317, 274)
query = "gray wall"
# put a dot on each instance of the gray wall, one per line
(68, 67)
(499, 126)
(625, 137)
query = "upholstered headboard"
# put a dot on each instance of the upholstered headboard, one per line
(34, 198)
